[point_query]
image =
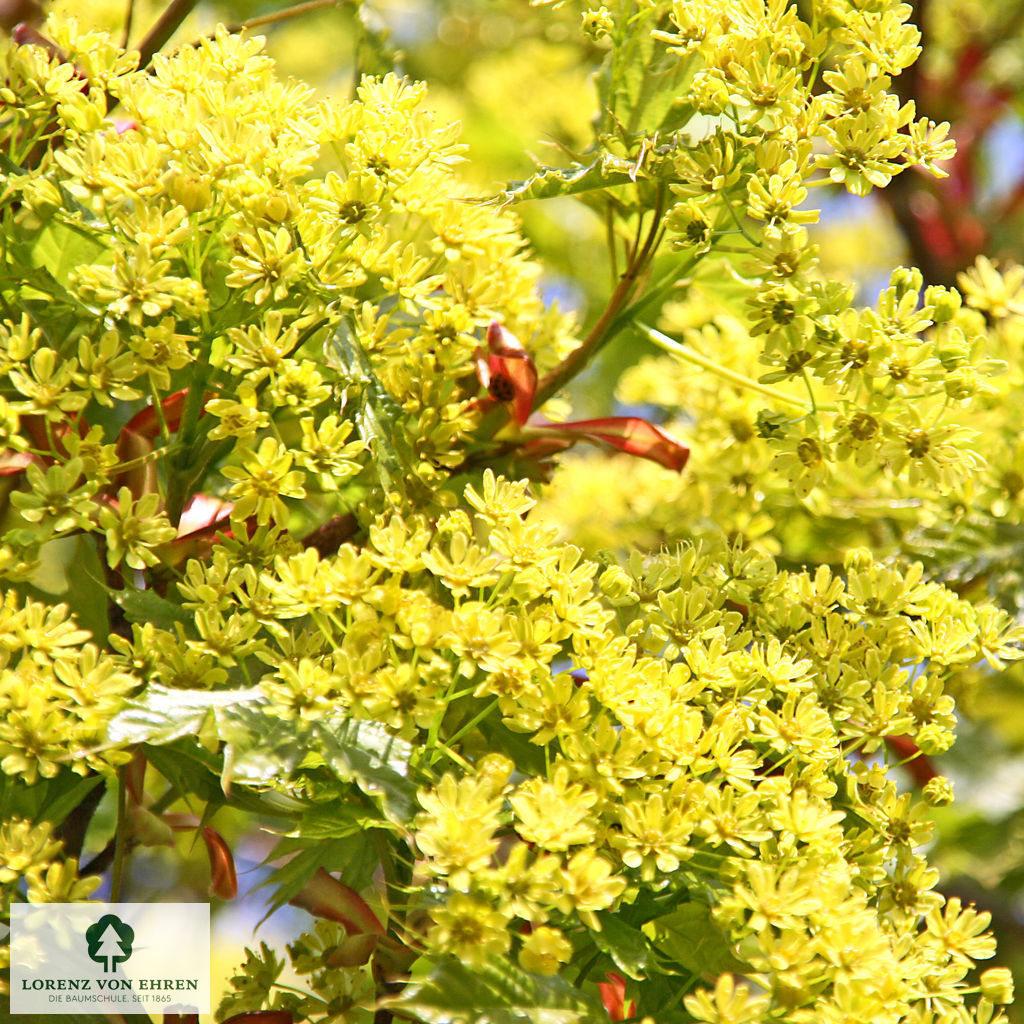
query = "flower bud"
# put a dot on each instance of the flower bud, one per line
(494, 771)
(997, 985)
(192, 193)
(944, 302)
(938, 791)
(617, 585)
(906, 280)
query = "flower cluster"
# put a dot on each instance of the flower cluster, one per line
(701, 724)
(210, 258)
(58, 692)
(263, 372)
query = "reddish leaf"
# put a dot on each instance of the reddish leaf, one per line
(202, 513)
(134, 777)
(629, 434)
(613, 995)
(141, 478)
(507, 371)
(147, 423)
(324, 896)
(223, 880)
(12, 462)
(354, 951)
(539, 448)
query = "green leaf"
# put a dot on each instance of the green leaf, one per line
(260, 748)
(189, 768)
(352, 857)
(626, 945)
(193, 770)
(498, 993)
(46, 800)
(337, 820)
(60, 247)
(146, 606)
(690, 937)
(377, 413)
(367, 754)
(161, 714)
(70, 570)
(605, 171)
(641, 86)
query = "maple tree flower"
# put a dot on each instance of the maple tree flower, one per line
(544, 950)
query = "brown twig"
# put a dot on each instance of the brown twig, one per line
(128, 17)
(289, 12)
(167, 24)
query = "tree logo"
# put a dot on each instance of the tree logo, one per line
(110, 941)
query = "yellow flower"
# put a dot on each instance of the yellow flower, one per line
(469, 928)
(554, 814)
(544, 950)
(457, 826)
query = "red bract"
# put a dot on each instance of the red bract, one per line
(324, 896)
(613, 995)
(507, 371)
(146, 421)
(223, 880)
(630, 434)
(12, 462)
(202, 513)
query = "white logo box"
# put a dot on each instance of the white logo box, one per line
(110, 958)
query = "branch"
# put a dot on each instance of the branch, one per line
(601, 332)
(167, 24)
(288, 12)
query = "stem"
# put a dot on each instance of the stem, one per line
(129, 14)
(120, 839)
(167, 24)
(609, 227)
(474, 722)
(289, 12)
(655, 292)
(601, 331)
(158, 408)
(736, 220)
(663, 341)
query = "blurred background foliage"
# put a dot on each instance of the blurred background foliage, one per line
(523, 90)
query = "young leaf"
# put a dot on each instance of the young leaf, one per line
(691, 938)
(498, 993)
